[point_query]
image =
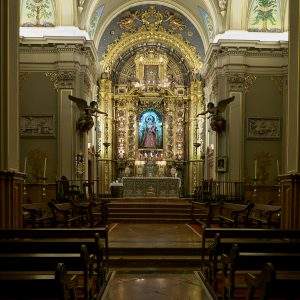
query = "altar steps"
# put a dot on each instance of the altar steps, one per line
(150, 261)
(149, 212)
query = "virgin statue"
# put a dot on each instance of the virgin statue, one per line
(150, 138)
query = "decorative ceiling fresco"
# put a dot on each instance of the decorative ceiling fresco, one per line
(37, 13)
(208, 23)
(94, 20)
(265, 16)
(166, 18)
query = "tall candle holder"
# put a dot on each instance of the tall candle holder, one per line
(44, 189)
(25, 193)
(254, 193)
(279, 190)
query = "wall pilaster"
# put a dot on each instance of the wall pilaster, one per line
(11, 182)
(9, 85)
(290, 183)
(63, 82)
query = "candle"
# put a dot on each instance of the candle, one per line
(255, 169)
(45, 167)
(25, 165)
(277, 167)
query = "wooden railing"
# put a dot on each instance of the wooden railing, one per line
(215, 191)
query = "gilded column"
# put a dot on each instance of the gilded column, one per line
(106, 128)
(196, 127)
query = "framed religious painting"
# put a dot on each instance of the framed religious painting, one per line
(222, 164)
(264, 128)
(150, 131)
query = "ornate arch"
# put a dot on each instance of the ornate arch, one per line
(121, 6)
(144, 35)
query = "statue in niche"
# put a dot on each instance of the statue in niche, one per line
(150, 131)
(217, 122)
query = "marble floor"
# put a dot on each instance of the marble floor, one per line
(153, 235)
(169, 285)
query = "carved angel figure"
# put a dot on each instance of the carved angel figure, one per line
(217, 122)
(215, 110)
(85, 121)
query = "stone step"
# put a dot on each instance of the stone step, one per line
(194, 249)
(150, 199)
(149, 215)
(155, 261)
(148, 220)
(152, 209)
(147, 204)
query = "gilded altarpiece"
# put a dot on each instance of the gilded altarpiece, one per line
(156, 95)
(170, 112)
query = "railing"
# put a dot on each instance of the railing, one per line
(216, 191)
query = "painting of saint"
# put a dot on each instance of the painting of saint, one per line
(150, 130)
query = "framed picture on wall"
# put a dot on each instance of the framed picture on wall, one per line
(263, 128)
(222, 164)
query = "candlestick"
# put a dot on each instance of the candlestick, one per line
(45, 167)
(255, 169)
(277, 167)
(25, 165)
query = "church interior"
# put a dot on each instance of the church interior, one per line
(149, 149)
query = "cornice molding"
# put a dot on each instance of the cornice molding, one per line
(86, 49)
(243, 50)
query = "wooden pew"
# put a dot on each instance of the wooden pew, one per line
(265, 216)
(77, 263)
(57, 233)
(231, 236)
(246, 261)
(60, 241)
(233, 214)
(202, 213)
(270, 283)
(223, 246)
(28, 285)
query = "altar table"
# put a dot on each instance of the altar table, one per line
(151, 187)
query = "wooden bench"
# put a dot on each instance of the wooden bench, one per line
(56, 233)
(24, 285)
(270, 283)
(233, 215)
(246, 261)
(202, 213)
(238, 235)
(80, 263)
(265, 215)
(60, 240)
(220, 246)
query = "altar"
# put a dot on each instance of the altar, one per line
(151, 187)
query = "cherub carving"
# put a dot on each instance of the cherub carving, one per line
(217, 122)
(85, 121)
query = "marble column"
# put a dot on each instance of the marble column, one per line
(290, 182)
(11, 181)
